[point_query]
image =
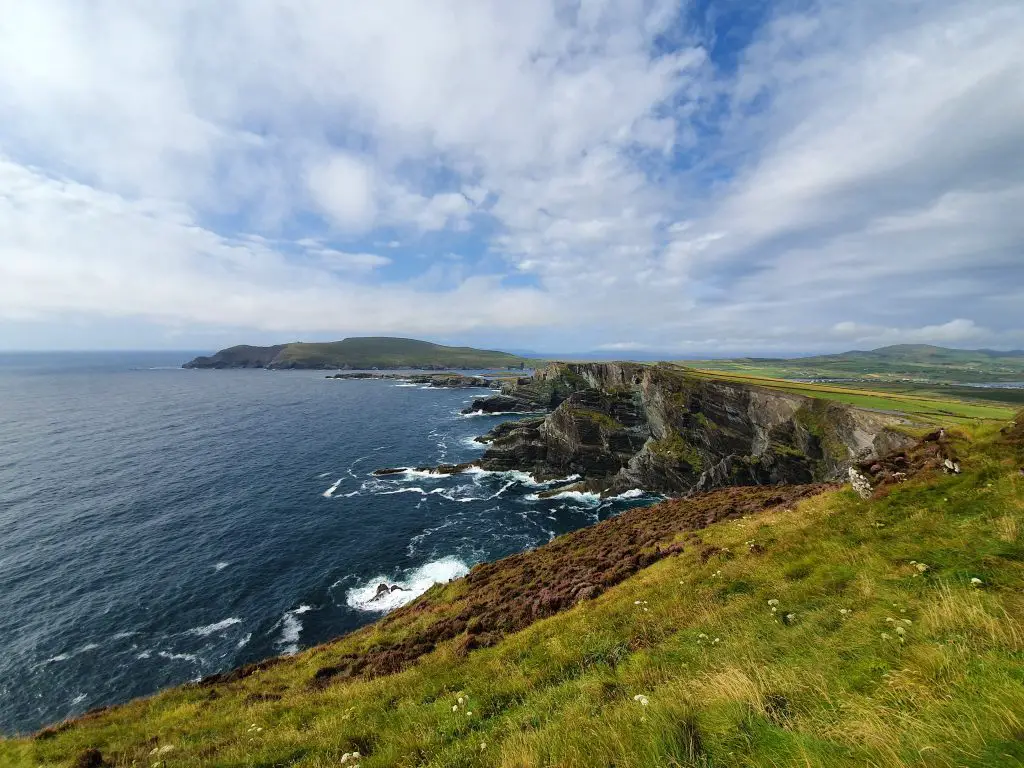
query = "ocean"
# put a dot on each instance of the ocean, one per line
(158, 525)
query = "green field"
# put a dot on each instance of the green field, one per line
(927, 402)
(880, 651)
(907, 362)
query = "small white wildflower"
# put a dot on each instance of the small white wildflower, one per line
(908, 622)
(455, 707)
(643, 700)
(483, 745)
(461, 700)
(976, 582)
(346, 757)
(716, 640)
(921, 567)
(790, 616)
(844, 611)
(885, 635)
(890, 620)
(355, 755)
(469, 714)
(900, 631)
(913, 562)
(774, 609)
(773, 602)
(702, 636)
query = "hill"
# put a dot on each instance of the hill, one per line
(768, 625)
(369, 352)
(903, 362)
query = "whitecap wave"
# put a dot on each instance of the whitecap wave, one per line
(472, 442)
(414, 584)
(523, 478)
(583, 497)
(407, 385)
(479, 413)
(177, 656)
(210, 629)
(221, 565)
(291, 628)
(632, 493)
(78, 700)
(245, 640)
(330, 491)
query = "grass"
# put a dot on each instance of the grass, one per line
(934, 406)
(917, 363)
(867, 660)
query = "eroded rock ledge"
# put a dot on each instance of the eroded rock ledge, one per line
(666, 429)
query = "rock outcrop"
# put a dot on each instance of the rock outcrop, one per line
(665, 429)
(443, 380)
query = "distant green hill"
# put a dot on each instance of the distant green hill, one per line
(367, 352)
(917, 362)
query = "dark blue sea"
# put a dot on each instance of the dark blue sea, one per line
(158, 525)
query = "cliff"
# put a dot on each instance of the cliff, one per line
(665, 429)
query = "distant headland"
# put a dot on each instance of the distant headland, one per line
(360, 353)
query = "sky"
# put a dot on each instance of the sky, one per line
(635, 177)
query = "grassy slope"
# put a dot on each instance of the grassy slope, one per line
(927, 404)
(919, 362)
(728, 682)
(384, 352)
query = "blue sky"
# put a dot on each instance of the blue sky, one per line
(639, 177)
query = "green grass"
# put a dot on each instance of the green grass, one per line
(920, 363)
(932, 406)
(867, 660)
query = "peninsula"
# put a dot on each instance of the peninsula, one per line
(360, 353)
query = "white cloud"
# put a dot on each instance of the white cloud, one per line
(345, 188)
(861, 165)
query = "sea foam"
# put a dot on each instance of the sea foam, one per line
(414, 584)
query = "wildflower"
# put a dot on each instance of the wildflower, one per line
(774, 609)
(907, 621)
(455, 707)
(844, 611)
(901, 631)
(890, 620)
(790, 617)
(976, 582)
(773, 602)
(885, 635)
(469, 714)
(921, 567)
(483, 745)
(461, 700)
(643, 700)
(716, 640)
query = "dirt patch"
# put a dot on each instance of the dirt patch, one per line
(510, 594)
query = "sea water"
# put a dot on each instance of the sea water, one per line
(158, 525)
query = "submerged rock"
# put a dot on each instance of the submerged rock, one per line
(383, 590)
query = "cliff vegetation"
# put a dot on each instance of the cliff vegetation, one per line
(758, 626)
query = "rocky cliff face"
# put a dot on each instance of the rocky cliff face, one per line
(665, 429)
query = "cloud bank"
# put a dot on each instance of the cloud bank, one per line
(624, 174)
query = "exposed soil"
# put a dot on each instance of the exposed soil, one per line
(510, 594)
